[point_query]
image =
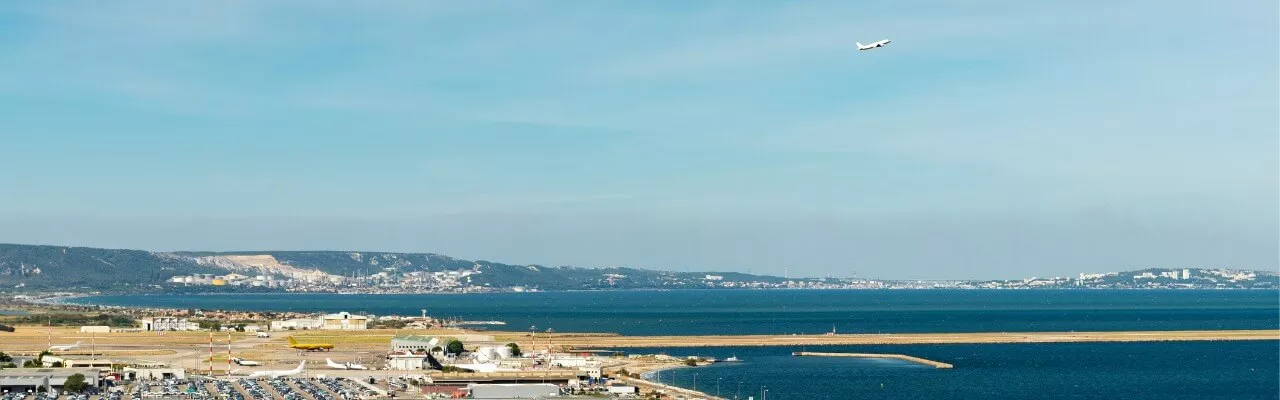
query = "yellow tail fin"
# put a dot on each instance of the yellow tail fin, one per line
(292, 342)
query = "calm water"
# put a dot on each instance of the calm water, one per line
(694, 312)
(1186, 370)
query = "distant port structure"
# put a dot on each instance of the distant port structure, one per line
(918, 360)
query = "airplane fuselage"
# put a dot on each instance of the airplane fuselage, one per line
(881, 43)
(346, 365)
(276, 374)
(293, 344)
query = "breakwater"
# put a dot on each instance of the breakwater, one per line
(918, 360)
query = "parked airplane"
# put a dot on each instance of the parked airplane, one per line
(244, 362)
(873, 45)
(277, 374)
(348, 365)
(309, 346)
(64, 347)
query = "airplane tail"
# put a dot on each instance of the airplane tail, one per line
(858, 43)
(292, 342)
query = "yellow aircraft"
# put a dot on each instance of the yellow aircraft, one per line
(309, 346)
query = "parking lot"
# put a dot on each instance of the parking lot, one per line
(253, 389)
(209, 389)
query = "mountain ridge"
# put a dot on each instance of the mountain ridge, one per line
(51, 267)
(72, 268)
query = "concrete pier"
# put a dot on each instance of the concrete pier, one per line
(918, 360)
(669, 390)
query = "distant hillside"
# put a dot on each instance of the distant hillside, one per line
(31, 267)
(78, 268)
(489, 274)
(347, 263)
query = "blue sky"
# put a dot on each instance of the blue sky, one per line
(990, 139)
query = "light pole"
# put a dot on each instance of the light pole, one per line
(718, 387)
(738, 394)
(695, 381)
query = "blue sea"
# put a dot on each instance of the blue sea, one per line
(1154, 370)
(739, 312)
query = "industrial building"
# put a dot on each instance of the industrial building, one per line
(340, 321)
(296, 323)
(407, 362)
(95, 363)
(154, 373)
(412, 343)
(167, 324)
(513, 390)
(15, 380)
(344, 321)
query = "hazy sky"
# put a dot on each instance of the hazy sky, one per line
(990, 139)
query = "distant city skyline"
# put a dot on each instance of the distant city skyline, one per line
(989, 140)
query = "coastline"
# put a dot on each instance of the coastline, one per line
(644, 378)
(695, 289)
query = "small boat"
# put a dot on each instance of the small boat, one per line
(732, 359)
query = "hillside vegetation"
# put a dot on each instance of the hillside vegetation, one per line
(45, 268)
(79, 268)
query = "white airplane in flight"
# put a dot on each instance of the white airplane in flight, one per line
(873, 45)
(277, 374)
(64, 347)
(335, 365)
